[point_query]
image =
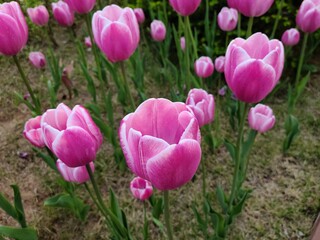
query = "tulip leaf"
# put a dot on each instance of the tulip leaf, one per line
(231, 149)
(247, 145)
(19, 206)
(18, 233)
(157, 206)
(221, 199)
(7, 207)
(94, 109)
(115, 206)
(236, 210)
(90, 84)
(46, 158)
(158, 223)
(292, 130)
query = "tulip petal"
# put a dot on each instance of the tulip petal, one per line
(257, 46)
(49, 134)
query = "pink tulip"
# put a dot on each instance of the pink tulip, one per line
(33, 132)
(261, 118)
(39, 15)
(13, 29)
(251, 8)
(81, 6)
(116, 32)
(71, 135)
(253, 67)
(37, 59)
(139, 15)
(204, 67)
(140, 188)
(222, 91)
(63, 14)
(202, 105)
(290, 37)
(161, 143)
(219, 64)
(158, 30)
(87, 42)
(308, 17)
(185, 7)
(76, 174)
(228, 19)
(183, 43)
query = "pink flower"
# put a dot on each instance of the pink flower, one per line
(37, 59)
(253, 67)
(76, 175)
(261, 118)
(204, 67)
(63, 14)
(71, 135)
(222, 91)
(158, 30)
(228, 19)
(251, 8)
(13, 29)
(139, 15)
(87, 42)
(219, 64)
(185, 7)
(81, 6)
(161, 143)
(290, 37)
(140, 188)
(116, 32)
(202, 105)
(308, 17)
(183, 43)
(33, 132)
(39, 15)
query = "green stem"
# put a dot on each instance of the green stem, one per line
(301, 60)
(239, 24)
(250, 24)
(227, 39)
(100, 4)
(145, 221)
(193, 42)
(167, 214)
(276, 23)
(186, 55)
(36, 103)
(126, 85)
(204, 175)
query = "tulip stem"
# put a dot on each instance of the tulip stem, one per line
(186, 55)
(100, 4)
(239, 24)
(301, 60)
(36, 103)
(126, 85)
(50, 35)
(193, 42)
(145, 225)
(167, 214)
(276, 23)
(250, 24)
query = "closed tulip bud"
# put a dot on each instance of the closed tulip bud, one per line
(33, 132)
(261, 118)
(63, 14)
(219, 64)
(228, 19)
(204, 67)
(183, 43)
(39, 15)
(185, 7)
(76, 174)
(13, 29)
(87, 42)
(308, 17)
(139, 15)
(116, 32)
(37, 59)
(253, 67)
(81, 6)
(251, 8)
(158, 30)
(140, 188)
(71, 135)
(202, 105)
(222, 91)
(290, 37)
(161, 143)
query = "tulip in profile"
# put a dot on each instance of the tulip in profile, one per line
(290, 37)
(76, 175)
(116, 32)
(33, 132)
(37, 59)
(87, 42)
(261, 118)
(219, 64)
(63, 14)
(253, 67)
(71, 135)
(308, 17)
(202, 105)
(140, 188)
(139, 15)
(183, 43)
(185, 7)
(13, 29)
(204, 67)
(158, 30)
(161, 143)
(228, 19)
(81, 6)
(251, 8)
(39, 15)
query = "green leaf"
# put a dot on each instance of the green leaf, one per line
(221, 199)
(18, 233)
(46, 158)
(247, 145)
(238, 208)
(198, 216)
(7, 207)
(19, 206)
(292, 130)
(231, 149)
(157, 207)
(158, 223)
(90, 83)
(114, 205)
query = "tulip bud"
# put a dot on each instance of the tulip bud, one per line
(261, 118)
(204, 67)
(39, 15)
(33, 132)
(185, 7)
(158, 30)
(81, 6)
(87, 42)
(251, 8)
(183, 43)
(139, 15)
(308, 17)
(63, 14)
(140, 188)
(219, 64)
(37, 59)
(228, 19)
(290, 37)
(76, 175)
(222, 91)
